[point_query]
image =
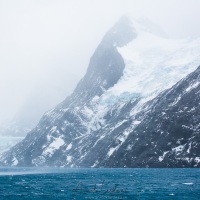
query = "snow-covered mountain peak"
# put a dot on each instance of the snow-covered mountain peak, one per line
(153, 64)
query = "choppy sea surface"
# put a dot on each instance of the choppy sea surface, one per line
(78, 184)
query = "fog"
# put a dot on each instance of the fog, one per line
(46, 45)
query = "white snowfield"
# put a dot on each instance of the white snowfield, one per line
(153, 63)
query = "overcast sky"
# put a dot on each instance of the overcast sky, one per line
(46, 45)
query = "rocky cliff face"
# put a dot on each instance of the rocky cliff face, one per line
(133, 108)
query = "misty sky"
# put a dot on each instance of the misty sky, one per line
(45, 45)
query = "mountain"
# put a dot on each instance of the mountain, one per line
(136, 106)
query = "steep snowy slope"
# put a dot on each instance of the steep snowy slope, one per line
(113, 105)
(168, 134)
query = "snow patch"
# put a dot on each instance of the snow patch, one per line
(111, 151)
(39, 161)
(189, 148)
(161, 158)
(178, 149)
(55, 145)
(102, 136)
(54, 128)
(136, 122)
(15, 161)
(95, 164)
(191, 87)
(69, 159)
(69, 146)
(197, 160)
(176, 101)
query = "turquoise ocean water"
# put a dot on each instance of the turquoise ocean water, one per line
(100, 184)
